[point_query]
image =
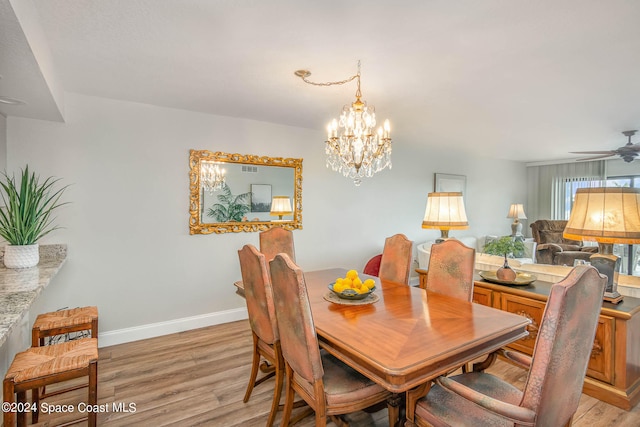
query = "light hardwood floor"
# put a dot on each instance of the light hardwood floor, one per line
(198, 378)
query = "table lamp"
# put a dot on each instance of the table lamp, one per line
(516, 211)
(280, 205)
(606, 215)
(445, 211)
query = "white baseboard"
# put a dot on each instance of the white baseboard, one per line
(121, 336)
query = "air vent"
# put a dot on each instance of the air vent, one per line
(249, 169)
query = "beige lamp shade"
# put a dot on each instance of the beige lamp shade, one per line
(605, 215)
(281, 205)
(516, 211)
(445, 211)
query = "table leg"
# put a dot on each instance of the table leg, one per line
(413, 396)
(481, 366)
(393, 406)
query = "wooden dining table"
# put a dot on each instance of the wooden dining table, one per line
(407, 337)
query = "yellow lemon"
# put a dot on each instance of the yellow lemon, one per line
(362, 289)
(357, 282)
(338, 287)
(352, 274)
(339, 280)
(348, 283)
(370, 283)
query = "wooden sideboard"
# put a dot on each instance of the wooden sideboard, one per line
(613, 374)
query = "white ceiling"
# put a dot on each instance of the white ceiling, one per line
(516, 79)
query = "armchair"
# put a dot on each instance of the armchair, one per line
(552, 248)
(556, 370)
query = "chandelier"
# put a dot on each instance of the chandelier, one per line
(353, 148)
(212, 177)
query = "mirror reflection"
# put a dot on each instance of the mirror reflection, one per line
(236, 192)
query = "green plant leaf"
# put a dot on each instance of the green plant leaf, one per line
(505, 246)
(27, 212)
(230, 208)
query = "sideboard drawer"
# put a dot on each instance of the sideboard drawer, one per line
(483, 296)
(529, 308)
(601, 361)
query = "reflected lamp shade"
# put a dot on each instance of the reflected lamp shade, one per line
(606, 215)
(281, 205)
(516, 211)
(445, 211)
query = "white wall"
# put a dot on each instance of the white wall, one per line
(618, 167)
(3, 142)
(130, 251)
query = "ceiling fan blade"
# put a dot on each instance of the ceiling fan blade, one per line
(609, 152)
(595, 157)
(627, 152)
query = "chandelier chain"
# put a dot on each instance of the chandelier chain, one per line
(341, 82)
(303, 74)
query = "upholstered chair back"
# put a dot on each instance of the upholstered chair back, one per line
(563, 346)
(372, 267)
(277, 240)
(258, 294)
(295, 324)
(450, 271)
(395, 264)
(550, 231)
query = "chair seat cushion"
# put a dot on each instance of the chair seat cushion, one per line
(343, 384)
(51, 360)
(456, 411)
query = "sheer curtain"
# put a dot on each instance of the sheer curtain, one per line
(549, 196)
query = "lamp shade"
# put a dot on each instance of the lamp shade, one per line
(516, 211)
(605, 215)
(281, 205)
(445, 211)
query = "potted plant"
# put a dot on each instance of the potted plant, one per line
(26, 216)
(505, 246)
(230, 208)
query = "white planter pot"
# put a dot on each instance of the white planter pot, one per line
(25, 256)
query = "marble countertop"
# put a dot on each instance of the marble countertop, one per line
(19, 288)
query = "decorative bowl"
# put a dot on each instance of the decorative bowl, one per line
(350, 293)
(520, 280)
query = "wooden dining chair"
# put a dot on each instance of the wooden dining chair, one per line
(397, 254)
(329, 386)
(266, 343)
(450, 271)
(276, 240)
(556, 370)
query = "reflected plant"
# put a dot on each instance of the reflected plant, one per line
(230, 208)
(506, 246)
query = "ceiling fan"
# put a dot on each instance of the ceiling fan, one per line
(627, 152)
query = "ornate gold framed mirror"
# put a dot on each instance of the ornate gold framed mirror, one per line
(231, 193)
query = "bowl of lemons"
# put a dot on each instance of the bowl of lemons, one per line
(352, 287)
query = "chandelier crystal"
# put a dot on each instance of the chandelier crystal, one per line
(353, 147)
(212, 177)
